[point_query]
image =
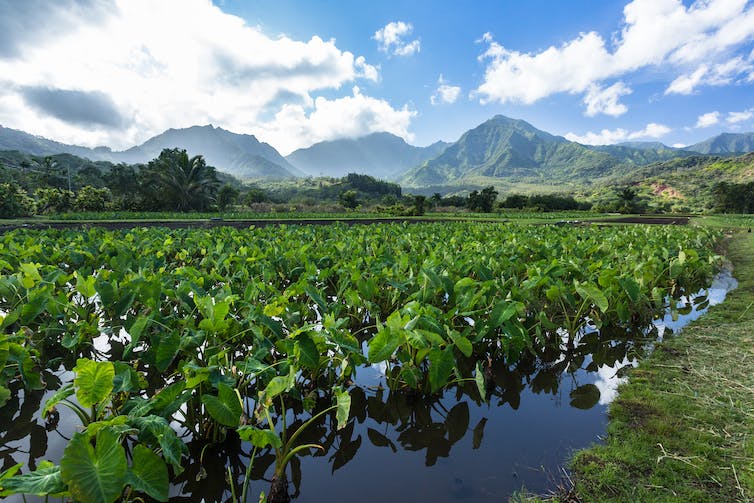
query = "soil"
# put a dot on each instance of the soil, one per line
(243, 224)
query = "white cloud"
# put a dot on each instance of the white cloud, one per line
(609, 137)
(663, 33)
(296, 126)
(445, 93)
(708, 119)
(715, 75)
(736, 117)
(172, 63)
(605, 100)
(685, 84)
(391, 39)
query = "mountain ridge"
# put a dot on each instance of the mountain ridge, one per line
(383, 155)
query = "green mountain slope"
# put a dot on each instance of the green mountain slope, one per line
(726, 143)
(686, 183)
(513, 151)
(382, 155)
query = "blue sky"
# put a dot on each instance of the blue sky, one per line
(115, 72)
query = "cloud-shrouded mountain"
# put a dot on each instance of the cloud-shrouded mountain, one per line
(382, 155)
(240, 155)
(13, 139)
(726, 143)
(237, 154)
(504, 148)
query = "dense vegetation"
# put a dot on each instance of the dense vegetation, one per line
(174, 181)
(177, 341)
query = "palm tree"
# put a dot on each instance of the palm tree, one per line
(180, 182)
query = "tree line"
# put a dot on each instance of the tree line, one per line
(174, 181)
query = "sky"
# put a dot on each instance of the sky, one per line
(293, 73)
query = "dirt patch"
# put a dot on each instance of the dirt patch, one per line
(206, 224)
(637, 414)
(654, 220)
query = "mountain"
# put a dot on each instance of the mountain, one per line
(726, 143)
(13, 139)
(686, 183)
(240, 155)
(382, 155)
(237, 154)
(515, 151)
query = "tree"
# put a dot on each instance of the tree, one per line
(14, 202)
(349, 199)
(255, 195)
(435, 199)
(53, 200)
(179, 182)
(482, 201)
(91, 199)
(226, 196)
(420, 203)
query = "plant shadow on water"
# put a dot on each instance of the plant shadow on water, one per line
(399, 444)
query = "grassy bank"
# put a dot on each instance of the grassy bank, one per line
(682, 429)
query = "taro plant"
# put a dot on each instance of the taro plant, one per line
(283, 442)
(95, 469)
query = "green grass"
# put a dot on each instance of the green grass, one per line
(682, 428)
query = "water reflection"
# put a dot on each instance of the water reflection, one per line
(403, 446)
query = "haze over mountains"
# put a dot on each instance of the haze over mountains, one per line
(499, 150)
(382, 155)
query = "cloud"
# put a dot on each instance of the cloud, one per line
(736, 117)
(654, 33)
(605, 101)
(75, 107)
(143, 67)
(609, 137)
(391, 39)
(445, 93)
(24, 21)
(708, 119)
(296, 126)
(716, 75)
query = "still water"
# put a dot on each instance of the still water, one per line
(398, 447)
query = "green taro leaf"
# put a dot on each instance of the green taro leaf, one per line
(441, 363)
(30, 275)
(631, 287)
(383, 345)
(167, 350)
(85, 285)
(307, 352)
(93, 381)
(94, 475)
(343, 399)
(36, 305)
(55, 399)
(260, 438)
(7, 474)
(279, 384)
(594, 294)
(463, 345)
(4, 395)
(43, 481)
(225, 408)
(479, 380)
(149, 474)
(155, 430)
